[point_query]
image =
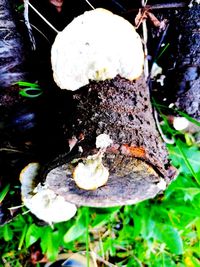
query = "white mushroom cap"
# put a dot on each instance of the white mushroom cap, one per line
(96, 45)
(41, 201)
(103, 141)
(91, 174)
(180, 123)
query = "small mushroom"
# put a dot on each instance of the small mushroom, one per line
(96, 45)
(180, 123)
(91, 174)
(103, 141)
(42, 201)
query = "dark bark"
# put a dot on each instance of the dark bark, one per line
(11, 50)
(188, 65)
(183, 77)
(17, 116)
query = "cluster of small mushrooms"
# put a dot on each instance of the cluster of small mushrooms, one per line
(88, 49)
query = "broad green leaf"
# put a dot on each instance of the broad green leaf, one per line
(33, 233)
(52, 239)
(170, 236)
(7, 232)
(77, 230)
(182, 180)
(45, 238)
(191, 153)
(147, 227)
(189, 193)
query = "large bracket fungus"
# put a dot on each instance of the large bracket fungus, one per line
(120, 157)
(96, 46)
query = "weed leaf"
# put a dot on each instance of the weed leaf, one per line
(7, 233)
(170, 236)
(4, 192)
(33, 234)
(77, 230)
(191, 153)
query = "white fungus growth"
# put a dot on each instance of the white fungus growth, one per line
(96, 45)
(41, 201)
(155, 70)
(162, 184)
(91, 174)
(180, 123)
(103, 141)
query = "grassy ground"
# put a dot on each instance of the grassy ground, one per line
(164, 231)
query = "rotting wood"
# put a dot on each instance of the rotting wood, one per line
(158, 7)
(137, 160)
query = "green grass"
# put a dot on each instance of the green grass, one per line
(161, 232)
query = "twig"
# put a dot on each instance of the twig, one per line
(27, 23)
(159, 6)
(10, 150)
(119, 5)
(169, 5)
(38, 31)
(89, 4)
(145, 38)
(104, 261)
(41, 16)
(163, 136)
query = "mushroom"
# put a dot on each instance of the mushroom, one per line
(96, 45)
(42, 201)
(92, 174)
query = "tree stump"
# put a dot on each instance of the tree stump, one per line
(137, 160)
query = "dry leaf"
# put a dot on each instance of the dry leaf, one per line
(141, 15)
(58, 4)
(153, 19)
(157, 23)
(144, 14)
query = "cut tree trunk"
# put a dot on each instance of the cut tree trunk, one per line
(137, 160)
